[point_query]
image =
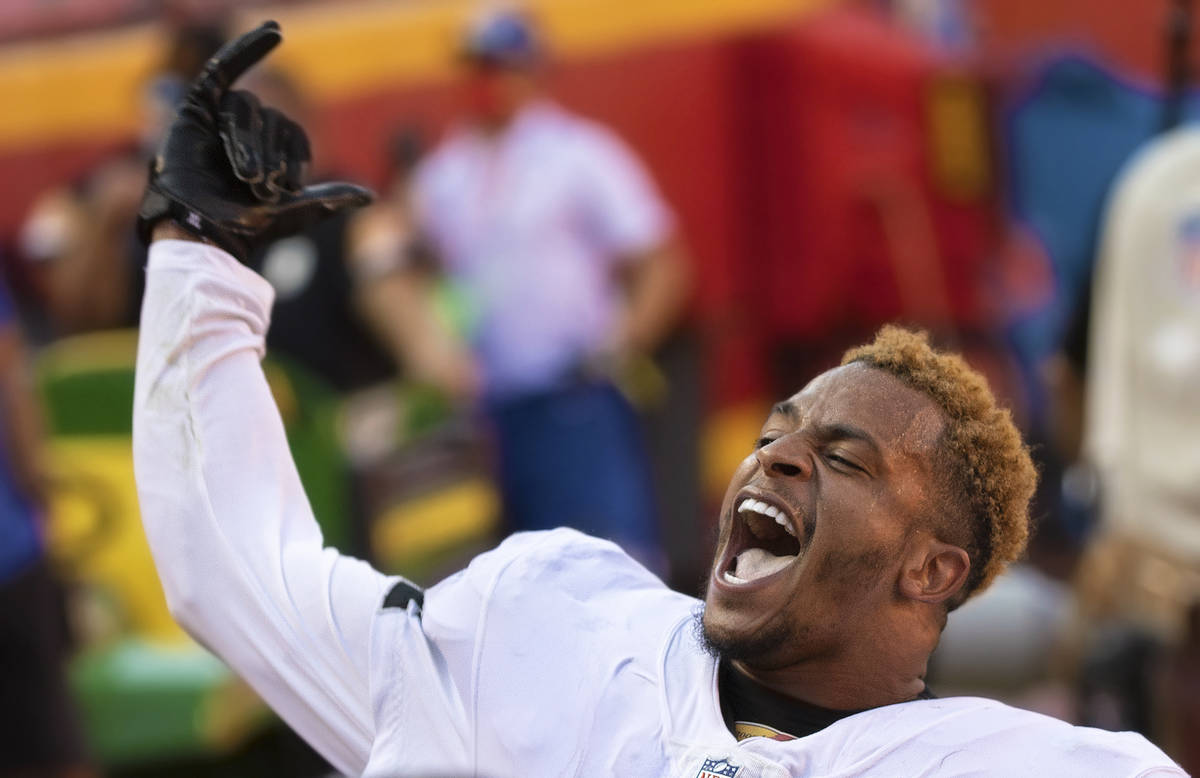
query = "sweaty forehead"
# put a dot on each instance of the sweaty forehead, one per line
(898, 416)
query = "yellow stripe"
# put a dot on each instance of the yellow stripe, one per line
(74, 89)
(95, 533)
(90, 353)
(430, 524)
(728, 438)
(89, 87)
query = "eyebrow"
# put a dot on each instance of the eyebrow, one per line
(841, 431)
(785, 408)
(827, 432)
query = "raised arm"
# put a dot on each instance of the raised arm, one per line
(237, 548)
(238, 551)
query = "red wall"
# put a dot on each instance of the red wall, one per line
(1127, 33)
(752, 141)
(755, 143)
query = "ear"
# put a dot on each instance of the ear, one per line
(934, 571)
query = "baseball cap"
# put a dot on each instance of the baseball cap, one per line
(504, 38)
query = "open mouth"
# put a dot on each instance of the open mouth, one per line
(762, 541)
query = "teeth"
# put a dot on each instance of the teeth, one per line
(758, 506)
(733, 579)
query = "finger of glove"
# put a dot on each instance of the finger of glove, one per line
(284, 170)
(294, 141)
(231, 61)
(240, 124)
(317, 203)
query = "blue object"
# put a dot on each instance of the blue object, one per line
(20, 541)
(1068, 138)
(503, 38)
(575, 457)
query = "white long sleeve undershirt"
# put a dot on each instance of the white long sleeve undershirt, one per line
(238, 550)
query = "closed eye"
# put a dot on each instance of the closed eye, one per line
(844, 462)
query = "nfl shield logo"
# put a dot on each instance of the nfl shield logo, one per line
(718, 768)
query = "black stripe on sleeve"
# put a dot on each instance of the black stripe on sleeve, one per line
(402, 594)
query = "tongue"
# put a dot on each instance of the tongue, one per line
(756, 563)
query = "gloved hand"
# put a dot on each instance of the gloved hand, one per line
(229, 170)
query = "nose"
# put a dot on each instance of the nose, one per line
(787, 456)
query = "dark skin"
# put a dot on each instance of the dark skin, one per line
(850, 623)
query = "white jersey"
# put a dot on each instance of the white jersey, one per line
(554, 655)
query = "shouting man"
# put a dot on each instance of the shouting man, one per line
(878, 498)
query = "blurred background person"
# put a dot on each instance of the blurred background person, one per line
(87, 262)
(40, 734)
(397, 281)
(1140, 579)
(561, 245)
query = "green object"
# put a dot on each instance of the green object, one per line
(310, 411)
(427, 409)
(86, 384)
(144, 699)
(456, 307)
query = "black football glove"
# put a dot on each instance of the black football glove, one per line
(230, 170)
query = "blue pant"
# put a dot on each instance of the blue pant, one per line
(574, 457)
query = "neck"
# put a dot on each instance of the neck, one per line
(874, 671)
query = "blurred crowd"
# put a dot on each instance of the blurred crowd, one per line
(515, 336)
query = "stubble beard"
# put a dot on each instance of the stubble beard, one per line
(782, 641)
(757, 649)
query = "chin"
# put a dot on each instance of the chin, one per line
(721, 636)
